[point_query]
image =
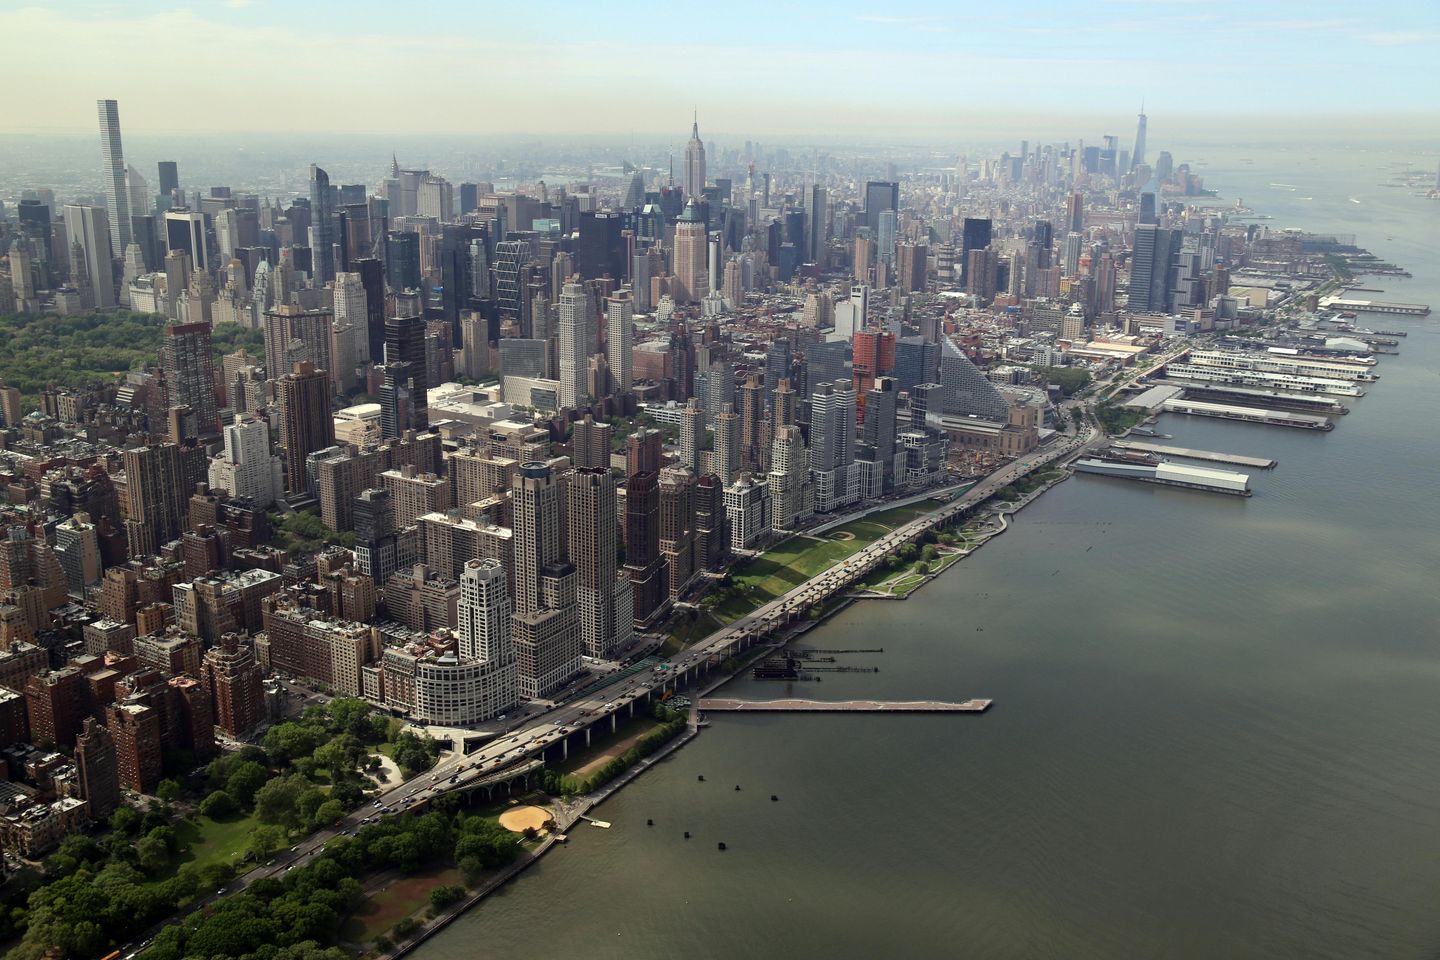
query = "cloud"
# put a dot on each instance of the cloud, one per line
(1399, 38)
(238, 4)
(923, 24)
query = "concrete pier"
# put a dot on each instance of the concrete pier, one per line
(1261, 463)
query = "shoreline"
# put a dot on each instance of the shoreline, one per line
(571, 813)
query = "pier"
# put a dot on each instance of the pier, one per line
(843, 706)
(1376, 306)
(1275, 418)
(1261, 463)
(1256, 397)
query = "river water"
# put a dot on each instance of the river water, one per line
(1217, 721)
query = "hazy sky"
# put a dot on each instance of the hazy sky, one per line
(765, 68)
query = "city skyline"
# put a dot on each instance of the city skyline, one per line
(913, 67)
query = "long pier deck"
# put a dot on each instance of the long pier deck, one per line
(843, 706)
(1262, 463)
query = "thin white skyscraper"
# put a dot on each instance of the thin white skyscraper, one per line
(576, 335)
(619, 350)
(115, 184)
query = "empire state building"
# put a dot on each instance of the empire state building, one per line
(694, 163)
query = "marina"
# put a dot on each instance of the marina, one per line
(1260, 463)
(1274, 418)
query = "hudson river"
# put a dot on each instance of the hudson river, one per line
(1217, 720)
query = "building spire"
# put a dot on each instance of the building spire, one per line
(695, 126)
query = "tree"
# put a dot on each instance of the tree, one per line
(327, 813)
(277, 801)
(265, 841)
(168, 791)
(444, 895)
(125, 820)
(153, 855)
(218, 805)
(245, 780)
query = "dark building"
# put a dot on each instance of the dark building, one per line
(879, 196)
(975, 235)
(403, 261)
(602, 248)
(403, 403)
(305, 421)
(322, 224)
(169, 173)
(98, 767)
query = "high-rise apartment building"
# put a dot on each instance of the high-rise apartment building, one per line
(577, 335)
(592, 526)
(113, 156)
(619, 351)
(546, 627)
(189, 367)
(89, 232)
(832, 445)
(233, 679)
(156, 493)
(322, 226)
(305, 421)
(98, 769)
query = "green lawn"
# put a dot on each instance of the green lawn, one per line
(215, 841)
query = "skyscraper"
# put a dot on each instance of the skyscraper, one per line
(404, 403)
(96, 764)
(536, 498)
(305, 421)
(879, 195)
(591, 519)
(485, 610)
(190, 375)
(694, 163)
(89, 230)
(816, 237)
(169, 180)
(619, 349)
(1137, 156)
(546, 628)
(832, 445)
(1150, 267)
(577, 333)
(185, 230)
(975, 235)
(155, 493)
(692, 274)
(322, 226)
(692, 433)
(113, 156)
(247, 467)
(726, 460)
